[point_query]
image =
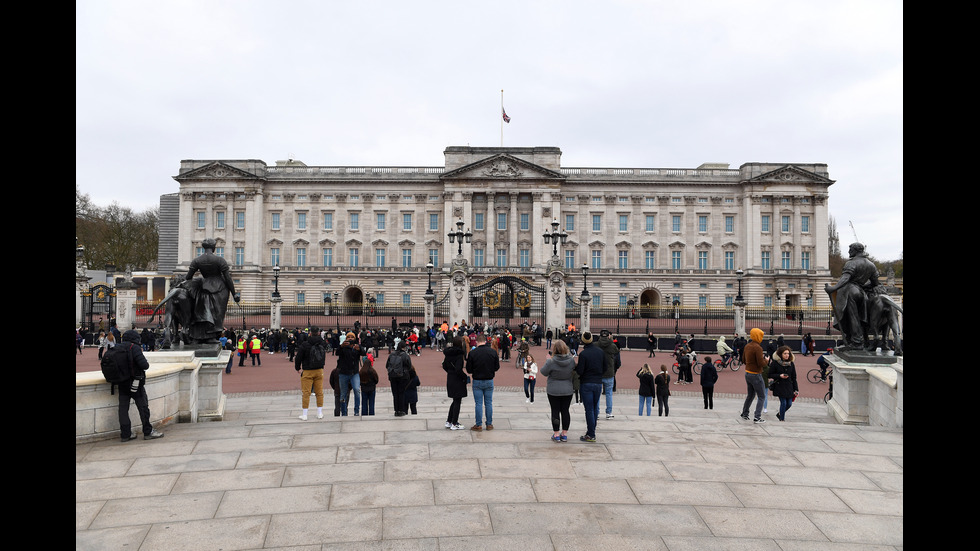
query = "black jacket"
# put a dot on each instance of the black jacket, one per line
(131, 340)
(303, 352)
(646, 384)
(591, 364)
(783, 388)
(455, 377)
(709, 375)
(482, 362)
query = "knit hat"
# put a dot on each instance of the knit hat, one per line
(586, 338)
(350, 336)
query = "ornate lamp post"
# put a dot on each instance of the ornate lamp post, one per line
(739, 274)
(459, 236)
(555, 237)
(428, 268)
(275, 273)
(585, 282)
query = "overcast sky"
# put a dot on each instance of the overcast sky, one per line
(653, 84)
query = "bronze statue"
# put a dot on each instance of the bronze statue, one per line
(209, 294)
(177, 317)
(852, 296)
(196, 306)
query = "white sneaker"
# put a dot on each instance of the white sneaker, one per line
(318, 416)
(449, 425)
(610, 416)
(302, 418)
(527, 401)
(765, 410)
(457, 426)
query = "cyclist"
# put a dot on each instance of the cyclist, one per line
(723, 350)
(522, 350)
(824, 365)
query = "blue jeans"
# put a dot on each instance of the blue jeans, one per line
(784, 404)
(607, 389)
(648, 401)
(368, 402)
(590, 398)
(483, 396)
(351, 382)
(754, 389)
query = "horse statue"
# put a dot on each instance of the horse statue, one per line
(883, 319)
(177, 316)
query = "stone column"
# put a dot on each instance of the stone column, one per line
(512, 223)
(490, 224)
(430, 309)
(459, 291)
(739, 318)
(276, 313)
(126, 305)
(555, 300)
(586, 314)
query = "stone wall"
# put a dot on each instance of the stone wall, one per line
(181, 388)
(868, 394)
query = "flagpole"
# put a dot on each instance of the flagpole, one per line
(501, 118)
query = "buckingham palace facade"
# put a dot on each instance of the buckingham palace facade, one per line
(648, 236)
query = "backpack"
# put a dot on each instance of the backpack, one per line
(396, 367)
(318, 356)
(117, 366)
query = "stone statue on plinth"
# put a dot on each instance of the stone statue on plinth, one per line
(196, 307)
(861, 306)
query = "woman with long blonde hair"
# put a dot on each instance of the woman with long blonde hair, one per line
(647, 388)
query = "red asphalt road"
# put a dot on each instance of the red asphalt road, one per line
(277, 374)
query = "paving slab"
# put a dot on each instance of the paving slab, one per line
(698, 479)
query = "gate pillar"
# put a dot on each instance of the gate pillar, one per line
(459, 292)
(555, 310)
(586, 315)
(740, 318)
(275, 313)
(126, 305)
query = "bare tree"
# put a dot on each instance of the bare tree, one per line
(116, 235)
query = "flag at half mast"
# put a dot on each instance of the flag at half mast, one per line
(506, 118)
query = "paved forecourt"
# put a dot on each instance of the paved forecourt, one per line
(698, 479)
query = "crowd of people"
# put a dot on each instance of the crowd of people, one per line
(579, 366)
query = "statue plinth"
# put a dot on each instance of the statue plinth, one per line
(862, 356)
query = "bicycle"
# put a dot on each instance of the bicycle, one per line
(521, 356)
(695, 368)
(815, 376)
(731, 363)
(830, 393)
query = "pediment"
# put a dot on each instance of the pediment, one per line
(216, 171)
(790, 174)
(502, 166)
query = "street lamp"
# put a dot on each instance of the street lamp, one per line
(585, 281)
(428, 268)
(554, 237)
(739, 274)
(275, 272)
(459, 235)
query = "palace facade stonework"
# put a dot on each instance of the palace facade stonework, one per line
(651, 235)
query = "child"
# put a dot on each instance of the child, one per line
(412, 390)
(369, 382)
(339, 408)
